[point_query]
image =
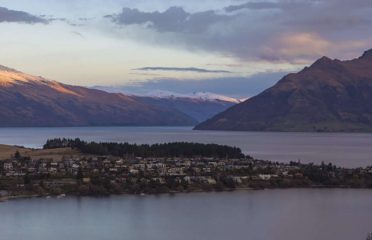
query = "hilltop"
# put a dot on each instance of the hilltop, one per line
(331, 96)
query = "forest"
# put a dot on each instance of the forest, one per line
(175, 149)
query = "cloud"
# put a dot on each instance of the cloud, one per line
(174, 19)
(78, 34)
(293, 31)
(285, 5)
(296, 46)
(188, 69)
(253, 5)
(7, 15)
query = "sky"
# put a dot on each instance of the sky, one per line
(233, 47)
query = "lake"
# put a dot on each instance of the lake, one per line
(344, 149)
(305, 214)
(296, 214)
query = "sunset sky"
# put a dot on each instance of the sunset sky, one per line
(233, 47)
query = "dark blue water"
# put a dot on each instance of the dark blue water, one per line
(345, 149)
(252, 215)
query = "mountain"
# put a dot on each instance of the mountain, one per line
(32, 101)
(198, 109)
(206, 96)
(330, 95)
(200, 106)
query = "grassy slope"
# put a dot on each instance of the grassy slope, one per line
(7, 152)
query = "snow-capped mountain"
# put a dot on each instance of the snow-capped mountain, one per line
(9, 76)
(207, 96)
(214, 96)
(31, 101)
(28, 100)
(199, 105)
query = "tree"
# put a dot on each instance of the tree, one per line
(80, 175)
(26, 179)
(17, 155)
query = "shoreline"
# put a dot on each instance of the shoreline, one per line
(78, 168)
(246, 189)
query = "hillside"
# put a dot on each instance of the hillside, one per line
(7, 152)
(32, 101)
(330, 96)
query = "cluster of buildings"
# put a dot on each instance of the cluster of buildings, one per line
(200, 170)
(91, 170)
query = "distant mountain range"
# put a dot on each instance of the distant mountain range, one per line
(31, 101)
(198, 105)
(198, 109)
(330, 96)
(206, 96)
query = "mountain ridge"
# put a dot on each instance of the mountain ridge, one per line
(202, 95)
(198, 105)
(198, 109)
(31, 101)
(330, 95)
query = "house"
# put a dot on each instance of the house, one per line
(264, 177)
(8, 166)
(237, 180)
(175, 171)
(211, 181)
(133, 171)
(86, 180)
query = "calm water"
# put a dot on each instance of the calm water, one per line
(251, 215)
(346, 149)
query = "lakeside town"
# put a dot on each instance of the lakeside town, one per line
(105, 174)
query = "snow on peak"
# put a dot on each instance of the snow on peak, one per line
(10, 76)
(205, 96)
(214, 96)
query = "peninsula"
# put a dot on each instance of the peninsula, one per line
(76, 167)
